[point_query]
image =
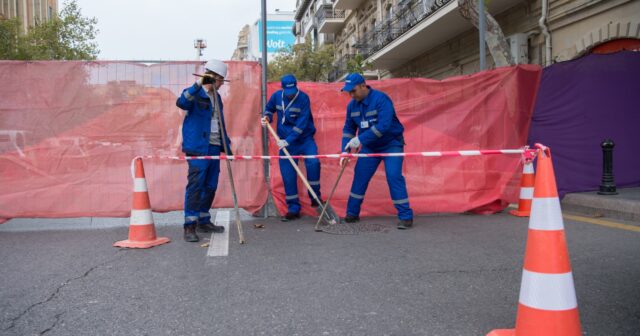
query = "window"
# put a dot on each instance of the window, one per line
(33, 12)
(5, 9)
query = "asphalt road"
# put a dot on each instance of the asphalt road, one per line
(450, 275)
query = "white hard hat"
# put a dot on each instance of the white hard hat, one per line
(217, 66)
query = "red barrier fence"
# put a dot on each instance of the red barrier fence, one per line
(488, 110)
(77, 125)
(68, 132)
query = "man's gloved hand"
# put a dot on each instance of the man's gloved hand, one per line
(265, 120)
(344, 160)
(354, 143)
(199, 81)
(282, 143)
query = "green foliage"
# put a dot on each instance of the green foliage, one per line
(356, 64)
(67, 36)
(9, 35)
(303, 61)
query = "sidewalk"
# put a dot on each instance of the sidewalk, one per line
(624, 206)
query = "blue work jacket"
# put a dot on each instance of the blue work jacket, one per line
(295, 122)
(375, 122)
(196, 127)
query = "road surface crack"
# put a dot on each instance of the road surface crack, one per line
(55, 293)
(55, 323)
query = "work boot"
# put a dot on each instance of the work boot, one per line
(351, 219)
(314, 203)
(190, 234)
(290, 216)
(404, 224)
(209, 227)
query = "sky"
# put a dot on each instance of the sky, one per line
(165, 29)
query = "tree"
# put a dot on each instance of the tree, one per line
(302, 61)
(494, 37)
(67, 36)
(9, 35)
(356, 64)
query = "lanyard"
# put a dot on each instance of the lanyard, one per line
(284, 109)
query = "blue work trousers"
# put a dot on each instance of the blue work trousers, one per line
(202, 182)
(290, 177)
(364, 171)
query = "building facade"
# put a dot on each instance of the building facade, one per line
(431, 38)
(315, 21)
(29, 12)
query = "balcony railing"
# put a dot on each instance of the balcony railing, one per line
(327, 12)
(340, 67)
(407, 14)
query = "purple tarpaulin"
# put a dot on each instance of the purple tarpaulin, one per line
(582, 102)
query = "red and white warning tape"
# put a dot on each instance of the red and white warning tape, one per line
(525, 151)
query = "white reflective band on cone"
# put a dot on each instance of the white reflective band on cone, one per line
(526, 193)
(548, 291)
(139, 184)
(546, 214)
(528, 168)
(141, 217)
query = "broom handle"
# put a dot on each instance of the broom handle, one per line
(333, 190)
(223, 139)
(295, 166)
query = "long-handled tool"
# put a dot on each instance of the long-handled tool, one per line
(333, 190)
(328, 218)
(226, 150)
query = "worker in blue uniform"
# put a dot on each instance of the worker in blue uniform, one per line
(295, 130)
(371, 123)
(203, 131)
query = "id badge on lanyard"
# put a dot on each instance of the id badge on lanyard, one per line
(364, 124)
(285, 108)
(214, 125)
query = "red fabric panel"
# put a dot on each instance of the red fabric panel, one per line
(69, 130)
(487, 110)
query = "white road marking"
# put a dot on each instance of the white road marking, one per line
(219, 243)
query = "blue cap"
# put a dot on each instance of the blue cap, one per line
(289, 85)
(351, 81)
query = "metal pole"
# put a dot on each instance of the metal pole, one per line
(483, 61)
(269, 208)
(263, 32)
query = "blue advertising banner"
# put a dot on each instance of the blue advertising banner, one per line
(279, 35)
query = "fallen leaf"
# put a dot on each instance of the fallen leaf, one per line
(205, 245)
(258, 226)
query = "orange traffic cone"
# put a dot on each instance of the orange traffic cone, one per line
(142, 231)
(526, 190)
(547, 304)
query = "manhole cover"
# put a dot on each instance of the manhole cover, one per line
(353, 228)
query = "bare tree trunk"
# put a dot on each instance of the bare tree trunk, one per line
(494, 37)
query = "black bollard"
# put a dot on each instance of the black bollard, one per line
(608, 186)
